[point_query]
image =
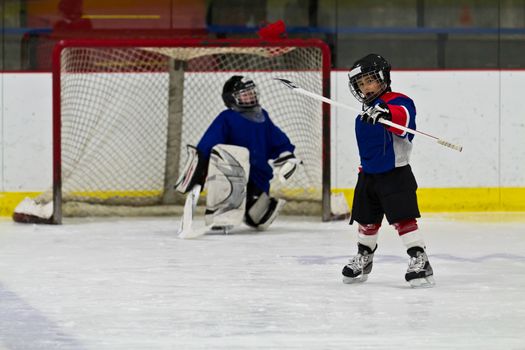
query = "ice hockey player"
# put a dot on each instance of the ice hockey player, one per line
(236, 154)
(386, 185)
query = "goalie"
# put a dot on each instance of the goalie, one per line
(235, 154)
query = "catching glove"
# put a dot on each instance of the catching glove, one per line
(372, 114)
(286, 165)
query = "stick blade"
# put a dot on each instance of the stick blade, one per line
(192, 233)
(185, 229)
(287, 83)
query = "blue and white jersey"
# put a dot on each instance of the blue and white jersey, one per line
(262, 138)
(381, 148)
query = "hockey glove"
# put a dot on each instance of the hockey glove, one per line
(372, 114)
(286, 165)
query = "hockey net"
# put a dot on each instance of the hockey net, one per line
(124, 112)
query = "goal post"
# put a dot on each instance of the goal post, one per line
(124, 111)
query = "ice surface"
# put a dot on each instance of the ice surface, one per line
(132, 284)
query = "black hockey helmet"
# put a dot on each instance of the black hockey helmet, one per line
(240, 93)
(374, 66)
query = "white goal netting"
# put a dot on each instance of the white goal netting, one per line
(127, 114)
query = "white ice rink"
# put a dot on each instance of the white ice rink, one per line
(131, 284)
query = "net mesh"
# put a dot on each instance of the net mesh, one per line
(127, 115)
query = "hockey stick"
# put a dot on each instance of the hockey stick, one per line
(297, 89)
(185, 230)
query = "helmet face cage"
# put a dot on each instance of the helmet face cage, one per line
(247, 98)
(369, 69)
(240, 93)
(375, 75)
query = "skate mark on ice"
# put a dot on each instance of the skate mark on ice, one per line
(479, 259)
(329, 260)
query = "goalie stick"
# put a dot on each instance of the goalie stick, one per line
(299, 90)
(185, 230)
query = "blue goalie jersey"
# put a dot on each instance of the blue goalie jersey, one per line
(262, 138)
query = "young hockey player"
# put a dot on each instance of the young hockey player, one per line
(245, 124)
(385, 184)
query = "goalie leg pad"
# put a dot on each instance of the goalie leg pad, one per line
(194, 172)
(227, 178)
(263, 210)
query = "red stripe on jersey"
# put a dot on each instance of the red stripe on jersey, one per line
(399, 116)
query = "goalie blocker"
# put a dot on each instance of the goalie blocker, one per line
(231, 199)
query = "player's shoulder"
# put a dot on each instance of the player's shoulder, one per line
(226, 114)
(390, 96)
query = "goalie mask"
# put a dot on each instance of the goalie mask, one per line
(369, 78)
(240, 93)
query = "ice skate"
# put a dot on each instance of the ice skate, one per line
(419, 273)
(360, 266)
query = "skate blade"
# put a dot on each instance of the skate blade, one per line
(425, 282)
(353, 280)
